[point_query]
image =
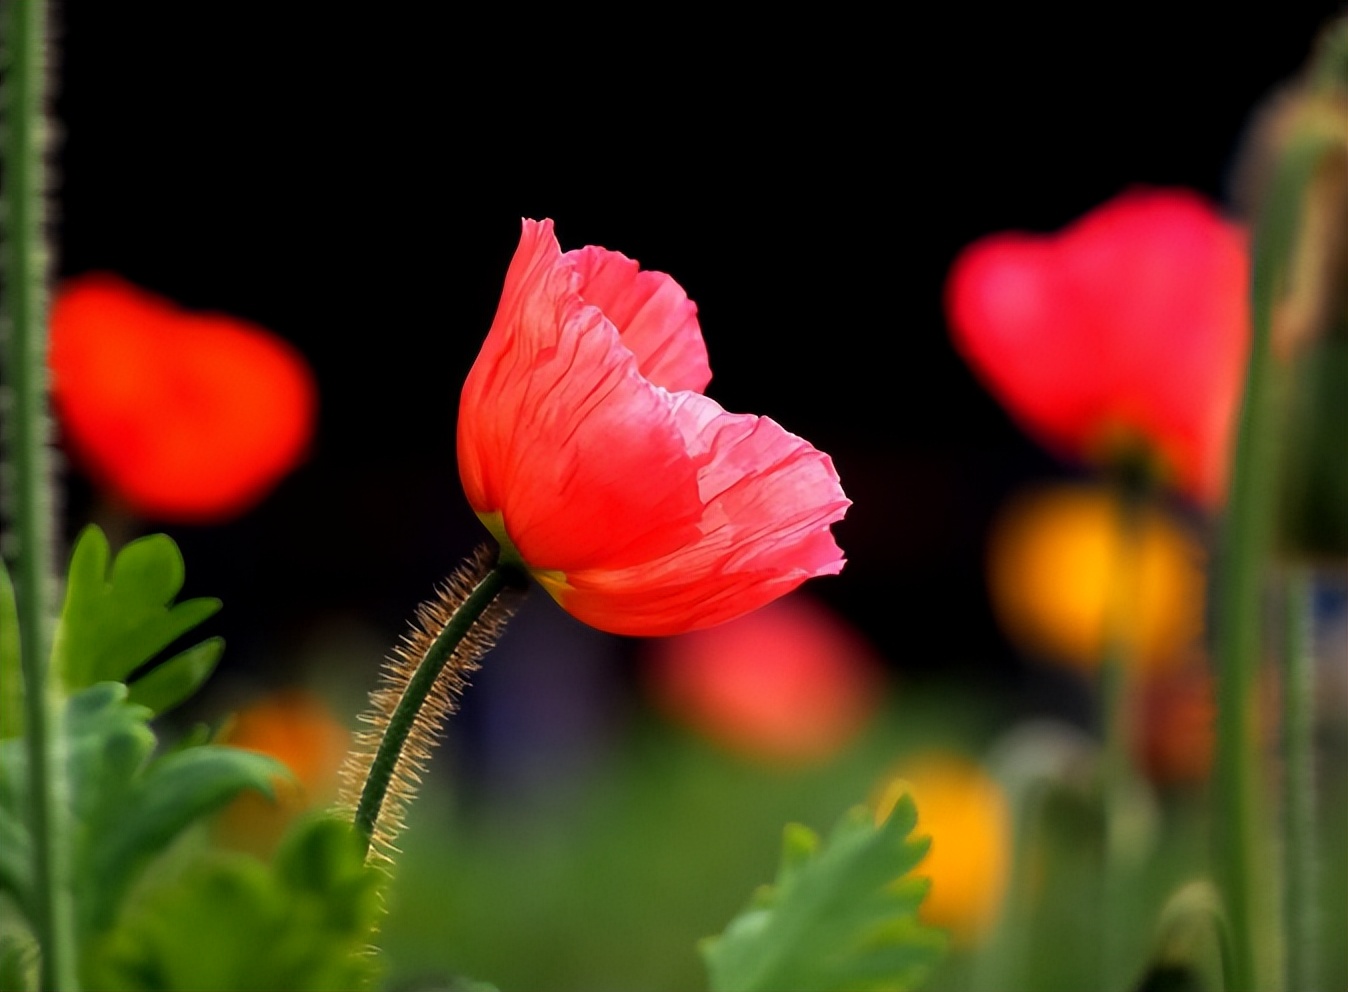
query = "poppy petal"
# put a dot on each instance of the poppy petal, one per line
(656, 319)
(560, 433)
(769, 498)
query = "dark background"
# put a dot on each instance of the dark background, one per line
(354, 181)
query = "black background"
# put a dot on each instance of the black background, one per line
(353, 178)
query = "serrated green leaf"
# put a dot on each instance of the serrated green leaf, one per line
(11, 674)
(107, 743)
(231, 923)
(115, 621)
(168, 684)
(151, 565)
(125, 808)
(174, 792)
(840, 915)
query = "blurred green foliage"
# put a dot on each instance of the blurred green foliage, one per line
(610, 878)
(11, 675)
(230, 922)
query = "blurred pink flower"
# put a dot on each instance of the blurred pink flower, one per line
(1130, 325)
(791, 683)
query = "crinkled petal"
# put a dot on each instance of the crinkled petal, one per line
(769, 500)
(656, 319)
(560, 433)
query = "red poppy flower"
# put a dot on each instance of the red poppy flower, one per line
(587, 448)
(1131, 324)
(790, 683)
(183, 416)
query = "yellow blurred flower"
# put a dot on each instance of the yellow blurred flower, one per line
(298, 729)
(965, 813)
(1056, 561)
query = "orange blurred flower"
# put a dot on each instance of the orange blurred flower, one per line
(298, 729)
(587, 448)
(790, 683)
(183, 416)
(965, 813)
(1054, 558)
(1131, 325)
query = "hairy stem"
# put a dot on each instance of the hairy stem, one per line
(30, 499)
(408, 710)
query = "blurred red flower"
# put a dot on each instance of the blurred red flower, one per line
(182, 416)
(587, 448)
(1130, 325)
(790, 683)
(1174, 733)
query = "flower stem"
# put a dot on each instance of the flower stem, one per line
(1247, 536)
(419, 686)
(25, 267)
(1119, 788)
(1299, 842)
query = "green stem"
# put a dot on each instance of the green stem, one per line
(1299, 843)
(1118, 665)
(418, 688)
(1247, 536)
(25, 276)
(1000, 963)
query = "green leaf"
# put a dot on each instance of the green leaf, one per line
(18, 951)
(1193, 942)
(175, 791)
(168, 684)
(125, 807)
(16, 846)
(11, 675)
(115, 621)
(840, 915)
(229, 922)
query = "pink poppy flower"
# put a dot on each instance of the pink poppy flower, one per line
(1130, 325)
(587, 448)
(181, 416)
